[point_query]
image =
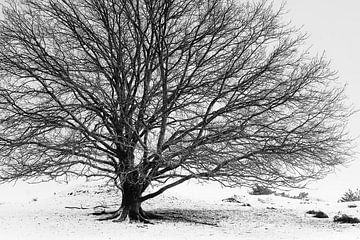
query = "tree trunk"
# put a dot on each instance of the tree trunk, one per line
(131, 205)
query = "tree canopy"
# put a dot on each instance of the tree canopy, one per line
(164, 91)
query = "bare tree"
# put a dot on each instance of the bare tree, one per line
(164, 91)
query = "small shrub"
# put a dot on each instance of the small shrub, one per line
(346, 219)
(302, 195)
(246, 205)
(350, 196)
(234, 199)
(260, 190)
(283, 194)
(231, 199)
(320, 214)
(317, 214)
(271, 208)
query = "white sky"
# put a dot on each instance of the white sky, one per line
(334, 27)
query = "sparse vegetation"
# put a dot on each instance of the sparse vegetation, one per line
(231, 199)
(261, 190)
(301, 195)
(235, 199)
(350, 196)
(346, 219)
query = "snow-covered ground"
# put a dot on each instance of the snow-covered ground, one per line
(47, 211)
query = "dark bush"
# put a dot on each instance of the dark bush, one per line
(311, 212)
(318, 214)
(260, 190)
(346, 219)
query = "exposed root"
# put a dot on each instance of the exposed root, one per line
(139, 215)
(111, 214)
(139, 218)
(123, 213)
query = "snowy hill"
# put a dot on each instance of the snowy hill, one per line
(66, 214)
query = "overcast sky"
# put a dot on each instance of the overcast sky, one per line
(334, 27)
